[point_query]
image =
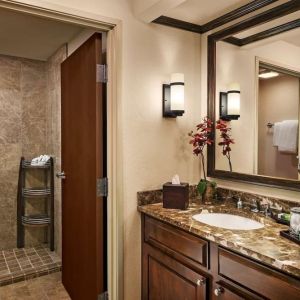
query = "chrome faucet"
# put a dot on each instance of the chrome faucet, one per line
(254, 205)
(267, 210)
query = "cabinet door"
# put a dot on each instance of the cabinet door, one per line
(164, 278)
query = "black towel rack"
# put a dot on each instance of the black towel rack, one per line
(45, 192)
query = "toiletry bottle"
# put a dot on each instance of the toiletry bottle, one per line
(239, 203)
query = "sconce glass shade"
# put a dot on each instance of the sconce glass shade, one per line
(177, 92)
(233, 102)
(230, 103)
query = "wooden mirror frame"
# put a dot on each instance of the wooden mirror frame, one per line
(227, 34)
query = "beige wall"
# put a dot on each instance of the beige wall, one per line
(238, 64)
(154, 149)
(278, 100)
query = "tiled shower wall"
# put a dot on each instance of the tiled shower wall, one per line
(53, 121)
(26, 91)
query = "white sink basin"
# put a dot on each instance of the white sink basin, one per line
(227, 221)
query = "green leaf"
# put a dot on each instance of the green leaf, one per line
(201, 187)
(213, 184)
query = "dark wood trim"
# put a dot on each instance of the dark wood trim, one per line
(236, 13)
(211, 96)
(263, 34)
(256, 179)
(264, 17)
(233, 40)
(261, 18)
(163, 20)
(231, 16)
(271, 32)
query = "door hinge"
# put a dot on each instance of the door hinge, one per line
(102, 187)
(103, 296)
(101, 73)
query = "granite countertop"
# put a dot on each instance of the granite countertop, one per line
(265, 244)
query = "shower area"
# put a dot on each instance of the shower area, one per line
(29, 112)
(31, 52)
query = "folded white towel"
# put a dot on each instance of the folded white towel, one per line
(40, 160)
(286, 136)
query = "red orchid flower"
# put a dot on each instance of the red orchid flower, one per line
(201, 138)
(226, 139)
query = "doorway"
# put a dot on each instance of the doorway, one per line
(84, 205)
(51, 14)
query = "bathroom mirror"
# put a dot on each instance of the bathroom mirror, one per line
(254, 95)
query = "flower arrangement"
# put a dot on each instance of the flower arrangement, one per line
(199, 139)
(226, 140)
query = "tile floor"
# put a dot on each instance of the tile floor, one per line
(27, 263)
(47, 287)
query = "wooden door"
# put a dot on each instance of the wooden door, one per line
(83, 161)
(165, 278)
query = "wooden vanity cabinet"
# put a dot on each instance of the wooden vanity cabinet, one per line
(177, 265)
(167, 278)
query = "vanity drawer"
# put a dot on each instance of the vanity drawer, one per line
(256, 277)
(167, 237)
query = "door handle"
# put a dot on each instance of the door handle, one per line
(61, 175)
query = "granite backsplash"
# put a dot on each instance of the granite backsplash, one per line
(155, 196)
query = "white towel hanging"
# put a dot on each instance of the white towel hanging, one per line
(286, 136)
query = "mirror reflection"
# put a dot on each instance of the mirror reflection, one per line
(278, 114)
(257, 99)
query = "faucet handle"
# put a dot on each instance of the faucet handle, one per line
(254, 205)
(268, 210)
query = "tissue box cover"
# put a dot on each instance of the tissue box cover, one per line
(176, 195)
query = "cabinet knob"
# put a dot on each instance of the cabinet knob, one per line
(200, 281)
(218, 291)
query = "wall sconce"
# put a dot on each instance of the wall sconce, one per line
(230, 103)
(173, 96)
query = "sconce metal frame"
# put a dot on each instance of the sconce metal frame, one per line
(223, 107)
(166, 97)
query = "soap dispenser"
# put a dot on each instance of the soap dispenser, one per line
(239, 203)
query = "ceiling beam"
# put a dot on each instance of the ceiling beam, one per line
(149, 10)
(264, 34)
(231, 16)
(234, 41)
(264, 17)
(236, 13)
(178, 24)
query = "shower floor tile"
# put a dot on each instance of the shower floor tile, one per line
(43, 288)
(27, 263)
